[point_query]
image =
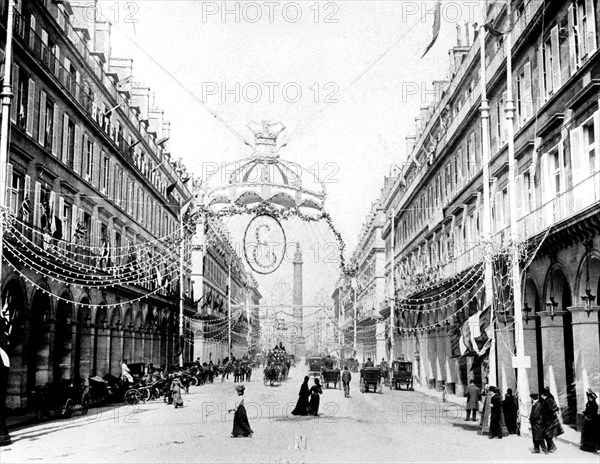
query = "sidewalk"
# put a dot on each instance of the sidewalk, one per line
(570, 436)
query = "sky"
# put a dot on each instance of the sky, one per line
(346, 78)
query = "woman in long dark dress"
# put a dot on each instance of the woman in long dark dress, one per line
(590, 434)
(241, 426)
(313, 405)
(303, 396)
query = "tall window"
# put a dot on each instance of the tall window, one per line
(66, 215)
(88, 157)
(556, 174)
(524, 94)
(48, 121)
(549, 63)
(15, 196)
(70, 145)
(22, 98)
(105, 174)
(589, 143)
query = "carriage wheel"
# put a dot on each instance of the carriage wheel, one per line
(380, 388)
(193, 381)
(362, 386)
(145, 394)
(85, 405)
(132, 396)
(67, 409)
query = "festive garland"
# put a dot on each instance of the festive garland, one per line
(281, 213)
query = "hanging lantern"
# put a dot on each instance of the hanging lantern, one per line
(589, 297)
(552, 304)
(527, 310)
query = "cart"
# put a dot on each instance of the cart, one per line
(331, 376)
(401, 375)
(315, 366)
(370, 380)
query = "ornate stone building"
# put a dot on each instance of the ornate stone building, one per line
(436, 204)
(95, 192)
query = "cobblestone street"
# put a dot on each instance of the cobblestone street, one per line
(398, 426)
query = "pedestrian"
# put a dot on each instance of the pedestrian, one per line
(383, 366)
(510, 410)
(346, 377)
(176, 393)
(535, 419)
(241, 426)
(550, 422)
(303, 397)
(496, 414)
(369, 363)
(590, 433)
(313, 405)
(473, 394)
(125, 372)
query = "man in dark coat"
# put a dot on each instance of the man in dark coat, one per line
(369, 363)
(473, 394)
(535, 419)
(509, 408)
(496, 414)
(550, 423)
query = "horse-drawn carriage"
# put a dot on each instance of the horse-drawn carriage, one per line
(273, 374)
(401, 375)
(370, 378)
(315, 366)
(64, 397)
(331, 376)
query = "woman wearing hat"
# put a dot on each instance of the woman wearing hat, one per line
(590, 433)
(241, 426)
(176, 387)
(313, 405)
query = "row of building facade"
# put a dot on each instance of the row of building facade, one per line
(97, 195)
(429, 214)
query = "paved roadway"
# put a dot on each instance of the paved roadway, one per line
(394, 426)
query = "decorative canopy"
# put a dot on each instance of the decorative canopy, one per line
(265, 177)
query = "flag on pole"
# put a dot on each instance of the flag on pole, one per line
(170, 188)
(437, 19)
(26, 206)
(80, 230)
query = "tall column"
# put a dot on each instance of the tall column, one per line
(530, 342)
(297, 300)
(586, 348)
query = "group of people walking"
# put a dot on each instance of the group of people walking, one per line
(544, 417)
(308, 399)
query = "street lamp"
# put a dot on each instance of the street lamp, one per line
(526, 310)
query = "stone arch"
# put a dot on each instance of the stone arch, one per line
(102, 341)
(40, 322)
(148, 331)
(116, 341)
(128, 334)
(164, 338)
(557, 286)
(533, 338)
(84, 359)
(14, 299)
(137, 334)
(594, 275)
(63, 366)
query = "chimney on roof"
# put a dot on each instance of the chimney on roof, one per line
(411, 140)
(418, 125)
(425, 115)
(467, 35)
(458, 36)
